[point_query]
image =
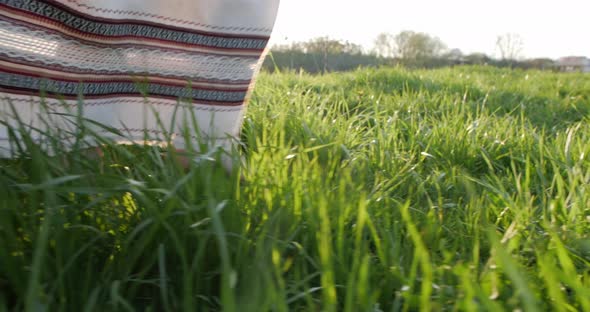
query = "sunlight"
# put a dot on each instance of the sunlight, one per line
(549, 28)
(18, 41)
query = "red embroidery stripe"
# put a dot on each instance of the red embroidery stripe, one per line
(21, 91)
(79, 71)
(106, 80)
(81, 35)
(115, 44)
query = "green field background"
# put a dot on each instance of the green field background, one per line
(457, 189)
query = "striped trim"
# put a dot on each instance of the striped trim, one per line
(92, 26)
(73, 71)
(24, 84)
(82, 76)
(46, 49)
(16, 17)
(53, 95)
(121, 79)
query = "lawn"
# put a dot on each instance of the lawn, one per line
(464, 188)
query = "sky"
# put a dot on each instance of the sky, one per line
(549, 28)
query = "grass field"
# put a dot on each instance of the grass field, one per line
(375, 190)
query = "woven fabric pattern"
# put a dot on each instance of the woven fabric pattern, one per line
(140, 66)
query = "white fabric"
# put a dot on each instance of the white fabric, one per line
(228, 16)
(160, 48)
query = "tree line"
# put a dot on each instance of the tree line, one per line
(407, 48)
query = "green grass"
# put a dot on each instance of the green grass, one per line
(376, 190)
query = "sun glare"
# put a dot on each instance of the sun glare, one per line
(24, 43)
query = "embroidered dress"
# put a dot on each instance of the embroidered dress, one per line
(155, 67)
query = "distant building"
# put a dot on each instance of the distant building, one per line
(574, 64)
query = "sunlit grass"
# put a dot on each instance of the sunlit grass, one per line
(376, 190)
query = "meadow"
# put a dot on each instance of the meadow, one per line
(456, 189)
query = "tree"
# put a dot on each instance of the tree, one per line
(323, 45)
(384, 45)
(510, 46)
(408, 46)
(477, 58)
(540, 63)
(352, 48)
(454, 55)
(412, 45)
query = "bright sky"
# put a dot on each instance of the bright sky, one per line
(550, 28)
